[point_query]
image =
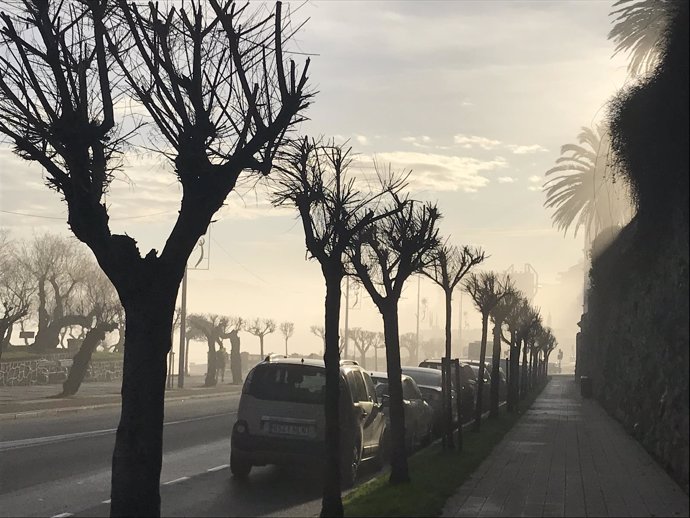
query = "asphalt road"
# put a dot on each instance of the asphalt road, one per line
(60, 465)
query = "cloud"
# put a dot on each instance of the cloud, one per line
(525, 150)
(506, 179)
(534, 188)
(535, 179)
(435, 172)
(471, 141)
(361, 139)
(422, 141)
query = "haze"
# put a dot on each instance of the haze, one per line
(475, 98)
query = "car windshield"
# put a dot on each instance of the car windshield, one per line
(285, 382)
(432, 379)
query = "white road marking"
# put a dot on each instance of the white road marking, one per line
(37, 441)
(181, 479)
(62, 515)
(218, 468)
(106, 501)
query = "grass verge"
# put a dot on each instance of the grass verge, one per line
(436, 474)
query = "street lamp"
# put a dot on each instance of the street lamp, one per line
(183, 309)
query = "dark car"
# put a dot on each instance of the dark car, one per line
(429, 382)
(502, 384)
(419, 415)
(468, 380)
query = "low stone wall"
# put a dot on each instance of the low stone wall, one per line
(48, 372)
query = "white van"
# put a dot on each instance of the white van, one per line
(281, 418)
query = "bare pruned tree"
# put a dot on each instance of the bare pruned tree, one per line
(16, 290)
(215, 86)
(383, 257)
(511, 298)
(287, 329)
(260, 327)
(319, 331)
(448, 267)
(333, 209)
(213, 328)
(486, 289)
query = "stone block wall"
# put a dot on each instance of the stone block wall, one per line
(54, 371)
(636, 343)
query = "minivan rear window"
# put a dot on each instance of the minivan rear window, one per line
(285, 382)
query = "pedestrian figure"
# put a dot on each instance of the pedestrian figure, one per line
(235, 358)
(221, 356)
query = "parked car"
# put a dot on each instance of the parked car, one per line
(503, 383)
(419, 416)
(429, 383)
(281, 417)
(468, 379)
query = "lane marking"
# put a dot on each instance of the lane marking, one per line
(38, 441)
(62, 515)
(177, 480)
(218, 468)
(106, 501)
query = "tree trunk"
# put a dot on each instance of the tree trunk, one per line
(523, 380)
(138, 450)
(261, 345)
(49, 337)
(399, 469)
(448, 403)
(211, 374)
(331, 503)
(495, 371)
(480, 376)
(81, 360)
(514, 378)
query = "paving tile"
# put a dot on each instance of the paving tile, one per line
(567, 457)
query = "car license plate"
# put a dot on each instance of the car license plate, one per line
(301, 430)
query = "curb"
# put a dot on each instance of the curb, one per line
(74, 409)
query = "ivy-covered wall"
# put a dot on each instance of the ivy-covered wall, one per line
(635, 340)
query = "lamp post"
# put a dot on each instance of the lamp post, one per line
(181, 367)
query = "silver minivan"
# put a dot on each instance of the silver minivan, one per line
(281, 418)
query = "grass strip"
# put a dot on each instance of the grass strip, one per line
(436, 474)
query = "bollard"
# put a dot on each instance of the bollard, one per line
(585, 386)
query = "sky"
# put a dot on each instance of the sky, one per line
(475, 98)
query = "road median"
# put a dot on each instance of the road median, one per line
(55, 406)
(435, 473)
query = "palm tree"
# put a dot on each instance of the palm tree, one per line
(587, 190)
(639, 29)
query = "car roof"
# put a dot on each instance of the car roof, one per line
(283, 360)
(421, 370)
(381, 374)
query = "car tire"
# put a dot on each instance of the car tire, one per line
(351, 466)
(239, 468)
(382, 453)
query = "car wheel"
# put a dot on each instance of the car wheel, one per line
(351, 466)
(239, 468)
(382, 453)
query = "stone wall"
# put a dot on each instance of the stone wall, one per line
(635, 342)
(54, 371)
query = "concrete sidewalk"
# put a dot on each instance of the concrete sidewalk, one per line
(17, 402)
(567, 457)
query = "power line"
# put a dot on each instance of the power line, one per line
(62, 218)
(237, 262)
